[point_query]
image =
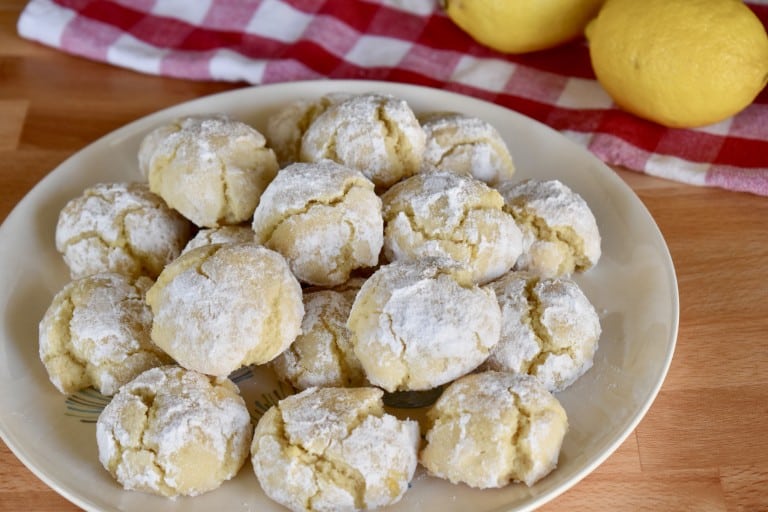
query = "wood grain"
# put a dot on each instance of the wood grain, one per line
(703, 446)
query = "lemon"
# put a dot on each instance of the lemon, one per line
(681, 63)
(520, 26)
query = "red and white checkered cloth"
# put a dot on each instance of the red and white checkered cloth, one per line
(267, 41)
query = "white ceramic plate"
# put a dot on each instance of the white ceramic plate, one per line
(633, 287)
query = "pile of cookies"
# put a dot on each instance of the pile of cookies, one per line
(358, 250)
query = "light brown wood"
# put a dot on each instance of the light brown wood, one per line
(703, 445)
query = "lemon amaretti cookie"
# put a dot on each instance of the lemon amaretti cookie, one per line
(287, 126)
(377, 134)
(418, 324)
(119, 227)
(220, 307)
(491, 428)
(220, 235)
(549, 329)
(96, 333)
(322, 355)
(174, 432)
(324, 218)
(334, 450)
(211, 169)
(443, 214)
(466, 145)
(560, 234)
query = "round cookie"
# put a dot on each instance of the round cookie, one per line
(324, 218)
(492, 428)
(322, 355)
(466, 145)
(119, 227)
(376, 134)
(287, 126)
(220, 307)
(418, 324)
(549, 329)
(334, 450)
(443, 214)
(560, 234)
(211, 169)
(174, 432)
(96, 333)
(220, 235)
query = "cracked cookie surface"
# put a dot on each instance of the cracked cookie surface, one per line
(466, 145)
(376, 134)
(211, 169)
(220, 235)
(418, 324)
(220, 307)
(322, 355)
(443, 214)
(324, 218)
(119, 227)
(286, 127)
(96, 333)
(550, 330)
(174, 432)
(334, 449)
(490, 429)
(560, 233)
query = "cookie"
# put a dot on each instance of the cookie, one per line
(549, 329)
(211, 169)
(322, 355)
(174, 432)
(490, 429)
(419, 324)
(443, 214)
(560, 233)
(220, 307)
(324, 218)
(376, 134)
(287, 126)
(95, 334)
(466, 145)
(334, 450)
(119, 227)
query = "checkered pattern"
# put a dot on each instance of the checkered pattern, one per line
(267, 41)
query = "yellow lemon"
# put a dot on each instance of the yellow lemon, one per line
(520, 26)
(681, 63)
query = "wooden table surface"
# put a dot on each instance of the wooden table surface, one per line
(703, 445)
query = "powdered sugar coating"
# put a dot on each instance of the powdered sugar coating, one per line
(174, 432)
(119, 227)
(418, 324)
(287, 126)
(96, 333)
(324, 218)
(322, 355)
(549, 329)
(220, 235)
(220, 307)
(376, 134)
(492, 428)
(334, 449)
(560, 233)
(466, 145)
(211, 169)
(443, 214)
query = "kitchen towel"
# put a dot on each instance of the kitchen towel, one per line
(410, 41)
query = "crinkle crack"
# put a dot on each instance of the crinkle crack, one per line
(335, 470)
(532, 317)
